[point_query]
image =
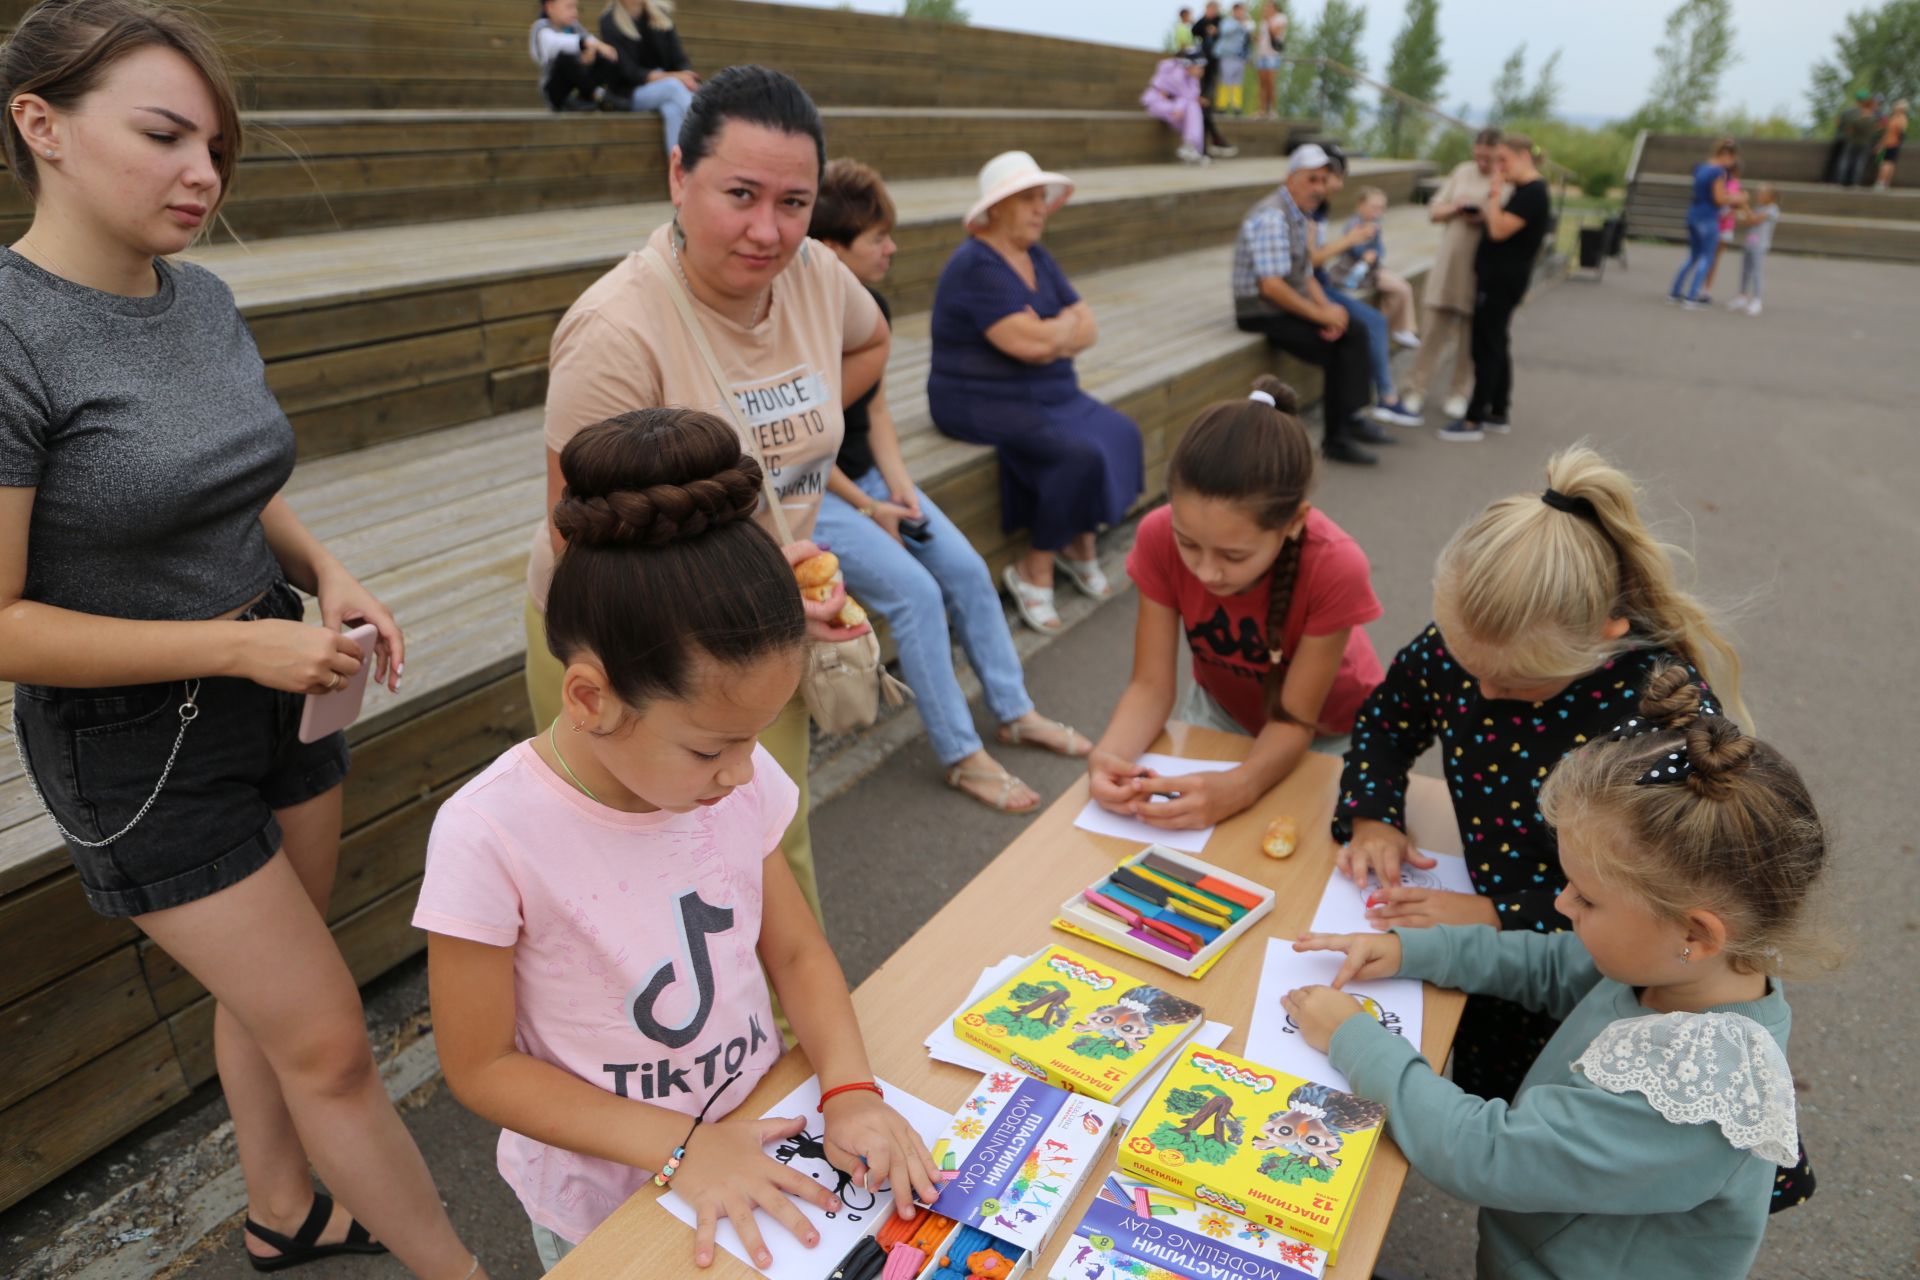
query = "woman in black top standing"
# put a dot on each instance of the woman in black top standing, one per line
(146, 617)
(1509, 243)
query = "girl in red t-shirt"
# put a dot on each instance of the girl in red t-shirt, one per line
(1272, 596)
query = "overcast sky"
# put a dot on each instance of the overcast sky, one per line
(1604, 69)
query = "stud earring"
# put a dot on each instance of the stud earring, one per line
(51, 154)
(577, 728)
(1686, 955)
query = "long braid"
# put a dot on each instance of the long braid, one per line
(1285, 571)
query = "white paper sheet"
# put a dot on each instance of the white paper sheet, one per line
(838, 1230)
(1104, 823)
(1273, 1040)
(1343, 908)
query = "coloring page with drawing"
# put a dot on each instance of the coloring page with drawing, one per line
(858, 1209)
(1398, 1004)
(1343, 908)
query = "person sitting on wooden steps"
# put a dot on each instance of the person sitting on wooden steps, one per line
(575, 66)
(651, 71)
(906, 560)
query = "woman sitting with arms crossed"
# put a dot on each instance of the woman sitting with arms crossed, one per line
(1006, 327)
(905, 559)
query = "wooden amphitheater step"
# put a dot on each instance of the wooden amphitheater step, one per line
(312, 171)
(369, 335)
(1802, 160)
(105, 1031)
(305, 54)
(1882, 225)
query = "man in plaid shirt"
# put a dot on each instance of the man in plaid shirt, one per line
(1275, 293)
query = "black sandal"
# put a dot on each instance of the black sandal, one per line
(301, 1247)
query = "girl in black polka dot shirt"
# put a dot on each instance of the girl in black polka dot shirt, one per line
(1551, 610)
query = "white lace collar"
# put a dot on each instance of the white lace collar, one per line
(1723, 1069)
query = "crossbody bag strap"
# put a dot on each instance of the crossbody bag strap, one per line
(698, 331)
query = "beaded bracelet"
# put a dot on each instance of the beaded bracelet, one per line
(672, 1166)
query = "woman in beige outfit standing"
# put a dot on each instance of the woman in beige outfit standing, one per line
(1449, 293)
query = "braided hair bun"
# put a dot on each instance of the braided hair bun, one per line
(1715, 745)
(621, 494)
(663, 559)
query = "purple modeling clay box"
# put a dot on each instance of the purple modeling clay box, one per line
(1016, 1153)
(1133, 1231)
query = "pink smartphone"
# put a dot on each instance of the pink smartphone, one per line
(327, 713)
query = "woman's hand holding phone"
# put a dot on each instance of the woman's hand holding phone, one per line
(293, 656)
(345, 604)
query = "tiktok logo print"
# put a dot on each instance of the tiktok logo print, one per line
(692, 970)
(698, 921)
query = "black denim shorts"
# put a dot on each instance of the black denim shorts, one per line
(96, 754)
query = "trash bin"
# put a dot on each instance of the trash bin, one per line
(1593, 247)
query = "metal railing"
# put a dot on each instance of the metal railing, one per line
(1559, 172)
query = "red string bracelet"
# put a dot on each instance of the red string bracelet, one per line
(839, 1089)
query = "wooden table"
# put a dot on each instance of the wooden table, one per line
(1006, 910)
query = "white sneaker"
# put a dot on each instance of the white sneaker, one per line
(1407, 338)
(1223, 153)
(1190, 155)
(1753, 308)
(1455, 407)
(1415, 403)
(1739, 303)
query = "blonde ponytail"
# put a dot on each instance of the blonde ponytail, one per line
(1539, 582)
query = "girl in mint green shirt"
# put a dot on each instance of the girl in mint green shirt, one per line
(1644, 1138)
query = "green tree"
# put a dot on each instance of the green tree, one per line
(936, 11)
(1509, 88)
(1416, 69)
(1696, 52)
(1877, 50)
(1515, 99)
(1337, 37)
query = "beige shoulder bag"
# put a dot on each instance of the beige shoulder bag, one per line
(845, 679)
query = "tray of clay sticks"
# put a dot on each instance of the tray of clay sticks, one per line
(1164, 906)
(930, 1247)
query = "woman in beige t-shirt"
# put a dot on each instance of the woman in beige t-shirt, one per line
(1450, 284)
(796, 335)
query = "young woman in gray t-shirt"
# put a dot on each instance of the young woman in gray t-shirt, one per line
(147, 619)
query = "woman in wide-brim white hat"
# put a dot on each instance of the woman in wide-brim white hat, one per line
(1006, 327)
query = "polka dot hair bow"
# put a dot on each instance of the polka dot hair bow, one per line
(1671, 769)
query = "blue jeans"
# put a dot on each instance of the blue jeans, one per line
(1379, 352)
(1703, 237)
(916, 587)
(671, 99)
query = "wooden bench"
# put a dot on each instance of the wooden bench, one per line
(1802, 160)
(1814, 218)
(105, 1032)
(307, 54)
(316, 171)
(375, 334)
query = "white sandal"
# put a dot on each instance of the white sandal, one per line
(1034, 603)
(962, 773)
(1087, 577)
(1014, 736)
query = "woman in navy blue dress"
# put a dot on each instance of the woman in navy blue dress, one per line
(1006, 327)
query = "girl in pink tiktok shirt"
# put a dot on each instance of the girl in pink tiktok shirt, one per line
(606, 902)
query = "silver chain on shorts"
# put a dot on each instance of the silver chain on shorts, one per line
(189, 712)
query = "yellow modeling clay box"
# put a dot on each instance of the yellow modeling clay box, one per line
(1078, 1024)
(1270, 1147)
